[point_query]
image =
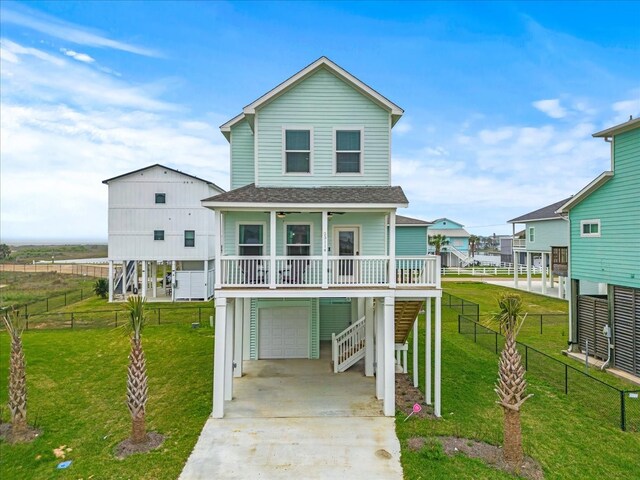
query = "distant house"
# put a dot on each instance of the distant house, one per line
(604, 255)
(411, 236)
(456, 252)
(506, 248)
(160, 236)
(547, 238)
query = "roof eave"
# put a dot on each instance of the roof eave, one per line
(304, 206)
(618, 129)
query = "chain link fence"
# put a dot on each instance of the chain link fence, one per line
(97, 271)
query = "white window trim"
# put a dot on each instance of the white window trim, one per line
(286, 224)
(335, 151)
(529, 230)
(595, 221)
(284, 150)
(249, 222)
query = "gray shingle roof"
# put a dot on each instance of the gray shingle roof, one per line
(544, 213)
(166, 168)
(402, 220)
(363, 195)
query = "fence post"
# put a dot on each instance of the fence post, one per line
(540, 324)
(81, 295)
(475, 332)
(526, 358)
(566, 379)
(116, 318)
(71, 319)
(459, 323)
(65, 299)
(623, 423)
(26, 322)
(158, 316)
(26, 310)
(47, 299)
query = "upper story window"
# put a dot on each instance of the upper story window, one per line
(250, 239)
(298, 240)
(590, 228)
(158, 234)
(348, 151)
(532, 235)
(189, 238)
(161, 198)
(297, 151)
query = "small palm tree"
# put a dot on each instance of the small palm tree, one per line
(137, 388)
(17, 374)
(438, 241)
(511, 385)
(474, 240)
(101, 288)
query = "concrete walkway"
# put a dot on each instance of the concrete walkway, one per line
(536, 286)
(293, 419)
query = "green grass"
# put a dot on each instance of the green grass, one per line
(29, 253)
(77, 385)
(20, 288)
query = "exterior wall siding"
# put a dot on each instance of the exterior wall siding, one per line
(411, 241)
(335, 316)
(547, 234)
(322, 102)
(613, 257)
(242, 155)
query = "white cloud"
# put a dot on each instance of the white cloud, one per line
(491, 137)
(81, 57)
(551, 107)
(624, 108)
(54, 27)
(402, 127)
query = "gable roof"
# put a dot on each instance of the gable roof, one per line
(411, 222)
(630, 124)
(106, 182)
(544, 213)
(250, 195)
(249, 111)
(449, 232)
(603, 178)
(448, 220)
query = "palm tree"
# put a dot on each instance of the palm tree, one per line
(473, 244)
(438, 241)
(137, 373)
(511, 385)
(17, 374)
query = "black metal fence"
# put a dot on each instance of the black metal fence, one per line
(615, 406)
(97, 271)
(53, 302)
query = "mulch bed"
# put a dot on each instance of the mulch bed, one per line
(491, 454)
(27, 436)
(407, 395)
(126, 447)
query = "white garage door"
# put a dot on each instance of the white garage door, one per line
(284, 332)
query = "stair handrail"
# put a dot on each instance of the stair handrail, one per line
(345, 337)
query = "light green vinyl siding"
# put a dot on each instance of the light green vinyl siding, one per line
(548, 233)
(614, 257)
(335, 316)
(321, 102)
(242, 165)
(411, 241)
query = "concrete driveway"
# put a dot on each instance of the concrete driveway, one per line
(295, 419)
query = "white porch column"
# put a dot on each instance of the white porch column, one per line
(134, 283)
(560, 286)
(218, 358)
(238, 337)
(246, 329)
(379, 317)
(427, 353)
(325, 249)
(389, 407)
(392, 249)
(228, 357)
(174, 282)
(164, 276)
(154, 277)
(437, 380)
(124, 280)
(415, 354)
(217, 250)
(144, 279)
(206, 279)
(543, 261)
(529, 271)
(272, 249)
(368, 337)
(110, 281)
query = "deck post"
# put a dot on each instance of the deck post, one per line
(368, 337)
(414, 356)
(228, 358)
(528, 271)
(392, 249)
(154, 278)
(427, 353)
(272, 249)
(110, 281)
(379, 317)
(246, 329)
(238, 340)
(134, 283)
(174, 282)
(544, 272)
(325, 249)
(144, 279)
(218, 358)
(217, 250)
(389, 407)
(124, 280)
(437, 380)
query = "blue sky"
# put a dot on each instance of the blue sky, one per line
(501, 98)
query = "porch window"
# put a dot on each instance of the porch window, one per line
(161, 198)
(348, 151)
(297, 151)
(189, 238)
(298, 240)
(250, 241)
(590, 228)
(158, 234)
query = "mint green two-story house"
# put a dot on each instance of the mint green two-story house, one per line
(604, 255)
(306, 250)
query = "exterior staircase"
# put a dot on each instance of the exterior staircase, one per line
(347, 347)
(406, 313)
(465, 259)
(118, 288)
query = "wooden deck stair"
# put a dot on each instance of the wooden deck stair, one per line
(406, 313)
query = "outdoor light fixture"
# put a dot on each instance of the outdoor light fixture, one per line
(281, 214)
(329, 215)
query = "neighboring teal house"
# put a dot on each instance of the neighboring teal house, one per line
(311, 248)
(456, 252)
(604, 255)
(546, 239)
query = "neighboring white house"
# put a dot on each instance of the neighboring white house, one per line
(161, 239)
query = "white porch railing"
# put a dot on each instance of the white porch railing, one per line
(519, 242)
(348, 346)
(342, 271)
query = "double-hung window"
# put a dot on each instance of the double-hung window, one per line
(348, 151)
(532, 234)
(297, 151)
(189, 238)
(158, 234)
(250, 241)
(298, 240)
(590, 228)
